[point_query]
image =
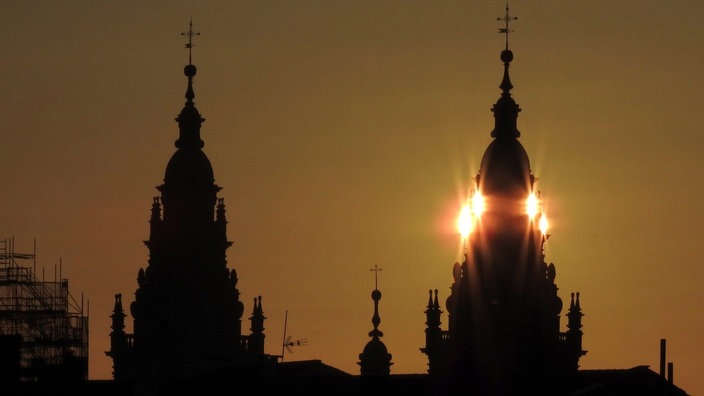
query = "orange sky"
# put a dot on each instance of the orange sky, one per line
(343, 134)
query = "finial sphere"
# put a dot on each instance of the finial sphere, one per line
(189, 70)
(506, 55)
(376, 295)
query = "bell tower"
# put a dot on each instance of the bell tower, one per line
(187, 310)
(503, 334)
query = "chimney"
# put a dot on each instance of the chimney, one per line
(670, 370)
(663, 348)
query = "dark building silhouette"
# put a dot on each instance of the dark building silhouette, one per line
(187, 310)
(375, 359)
(503, 333)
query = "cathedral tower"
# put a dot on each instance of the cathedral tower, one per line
(187, 310)
(503, 334)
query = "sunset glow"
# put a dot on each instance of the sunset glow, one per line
(532, 205)
(478, 204)
(543, 224)
(464, 221)
(470, 213)
(348, 133)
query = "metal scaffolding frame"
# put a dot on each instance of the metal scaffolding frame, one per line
(50, 323)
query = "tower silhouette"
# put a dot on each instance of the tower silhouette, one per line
(503, 334)
(187, 310)
(375, 359)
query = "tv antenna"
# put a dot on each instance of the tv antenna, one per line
(288, 342)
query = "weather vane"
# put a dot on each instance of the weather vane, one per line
(190, 33)
(507, 18)
(376, 270)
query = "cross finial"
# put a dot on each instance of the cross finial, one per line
(190, 33)
(507, 18)
(376, 270)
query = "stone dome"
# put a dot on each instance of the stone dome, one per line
(189, 166)
(505, 169)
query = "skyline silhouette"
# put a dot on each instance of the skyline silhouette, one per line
(343, 136)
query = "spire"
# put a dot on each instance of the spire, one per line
(256, 337)
(573, 336)
(260, 310)
(118, 339)
(433, 311)
(375, 359)
(376, 296)
(118, 315)
(189, 120)
(574, 315)
(572, 302)
(506, 110)
(506, 54)
(257, 317)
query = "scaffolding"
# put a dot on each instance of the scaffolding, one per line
(43, 329)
